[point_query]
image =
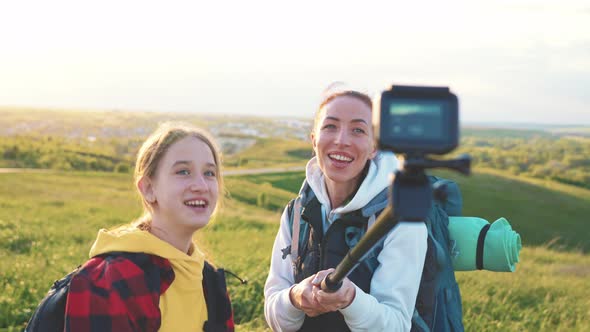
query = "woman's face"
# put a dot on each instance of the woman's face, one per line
(343, 139)
(185, 186)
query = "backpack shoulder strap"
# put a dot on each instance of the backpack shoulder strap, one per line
(219, 311)
(295, 228)
(294, 214)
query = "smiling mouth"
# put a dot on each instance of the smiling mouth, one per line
(198, 203)
(340, 158)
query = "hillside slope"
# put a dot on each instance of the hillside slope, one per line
(48, 222)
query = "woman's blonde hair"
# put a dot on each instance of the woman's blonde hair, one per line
(155, 147)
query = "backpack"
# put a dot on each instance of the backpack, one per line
(438, 303)
(50, 313)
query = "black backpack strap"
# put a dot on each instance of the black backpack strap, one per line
(287, 250)
(295, 215)
(219, 311)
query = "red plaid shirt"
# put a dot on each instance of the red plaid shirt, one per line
(121, 292)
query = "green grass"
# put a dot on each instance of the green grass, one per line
(542, 212)
(290, 181)
(270, 152)
(548, 292)
(241, 190)
(48, 222)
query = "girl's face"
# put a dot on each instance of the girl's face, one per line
(343, 139)
(184, 190)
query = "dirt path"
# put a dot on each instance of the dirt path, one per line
(263, 170)
(23, 170)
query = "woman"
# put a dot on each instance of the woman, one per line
(346, 185)
(150, 275)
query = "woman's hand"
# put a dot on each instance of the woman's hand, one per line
(311, 299)
(342, 298)
(301, 296)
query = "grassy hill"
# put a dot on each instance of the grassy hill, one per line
(48, 222)
(270, 152)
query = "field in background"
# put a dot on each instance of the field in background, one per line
(48, 222)
(49, 217)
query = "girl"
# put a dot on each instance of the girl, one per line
(150, 275)
(346, 184)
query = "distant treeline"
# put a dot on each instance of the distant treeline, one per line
(537, 154)
(54, 152)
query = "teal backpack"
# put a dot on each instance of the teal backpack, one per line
(438, 304)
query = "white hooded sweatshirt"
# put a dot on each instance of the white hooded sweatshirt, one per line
(390, 304)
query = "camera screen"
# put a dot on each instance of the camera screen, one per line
(417, 119)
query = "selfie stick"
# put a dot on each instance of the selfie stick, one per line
(410, 200)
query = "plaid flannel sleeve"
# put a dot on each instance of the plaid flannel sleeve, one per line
(113, 293)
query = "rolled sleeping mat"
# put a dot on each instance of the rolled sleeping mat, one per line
(479, 245)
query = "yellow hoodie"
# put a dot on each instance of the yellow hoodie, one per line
(182, 306)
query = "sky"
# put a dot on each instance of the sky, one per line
(525, 61)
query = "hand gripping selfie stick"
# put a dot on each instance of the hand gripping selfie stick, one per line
(412, 121)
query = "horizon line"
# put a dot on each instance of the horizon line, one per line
(224, 113)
